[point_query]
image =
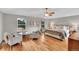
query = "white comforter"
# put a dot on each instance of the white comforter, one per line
(63, 31)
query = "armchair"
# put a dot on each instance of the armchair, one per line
(12, 39)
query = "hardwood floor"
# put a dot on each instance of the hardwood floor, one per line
(44, 43)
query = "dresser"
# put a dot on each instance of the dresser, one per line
(73, 42)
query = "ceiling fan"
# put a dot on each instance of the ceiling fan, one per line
(48, 12)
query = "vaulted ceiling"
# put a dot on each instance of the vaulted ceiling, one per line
(39, 12)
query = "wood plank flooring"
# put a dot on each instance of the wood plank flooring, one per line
(44, 43)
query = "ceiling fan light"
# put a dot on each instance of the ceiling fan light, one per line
(49, 12)
(46, 14)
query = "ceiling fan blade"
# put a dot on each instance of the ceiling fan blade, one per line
(52, 12)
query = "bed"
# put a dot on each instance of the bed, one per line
(59, 34)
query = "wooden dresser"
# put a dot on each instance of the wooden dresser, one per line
(73, 42)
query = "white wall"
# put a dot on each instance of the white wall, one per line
(10, 22)
(64, 20)
(67, 20)
(1, 27)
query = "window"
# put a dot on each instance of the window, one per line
(21, 23)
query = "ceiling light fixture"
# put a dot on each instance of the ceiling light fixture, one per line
(48, 12)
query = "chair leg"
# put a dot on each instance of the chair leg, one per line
(21, 43)
(0, 46)
(10, 48)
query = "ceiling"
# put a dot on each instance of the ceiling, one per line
(39, 12)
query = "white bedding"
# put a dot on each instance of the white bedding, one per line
(63, 31)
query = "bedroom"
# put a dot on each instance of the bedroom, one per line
(37, 32)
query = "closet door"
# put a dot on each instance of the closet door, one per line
(30, 23)
(33, 22)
